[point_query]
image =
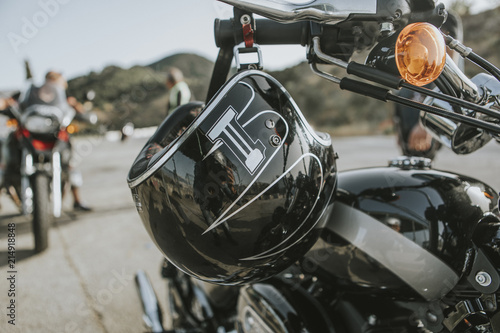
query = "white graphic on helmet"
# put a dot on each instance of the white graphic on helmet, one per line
(227, 130)
(222, 217)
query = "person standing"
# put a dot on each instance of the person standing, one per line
(55, 88)
(179, 92)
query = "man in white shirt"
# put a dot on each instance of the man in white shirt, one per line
(179, 92)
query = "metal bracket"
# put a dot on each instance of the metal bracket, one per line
(242, 49)
(485, 303)
(324, 75)
(483, 275)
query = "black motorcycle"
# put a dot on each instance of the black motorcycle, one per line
(260, 231)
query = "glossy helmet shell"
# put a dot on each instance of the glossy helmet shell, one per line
(236, 191)
(401, 231)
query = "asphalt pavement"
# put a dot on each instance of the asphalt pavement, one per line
(84, 282)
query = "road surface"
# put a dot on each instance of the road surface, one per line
(84, 281)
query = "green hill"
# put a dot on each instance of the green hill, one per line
(481, 33)
(138, 94)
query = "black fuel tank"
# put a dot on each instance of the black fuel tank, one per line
(401, 230)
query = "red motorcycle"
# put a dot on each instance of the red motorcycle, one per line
(38, 154)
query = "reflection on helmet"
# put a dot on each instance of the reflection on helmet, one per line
(242, 192)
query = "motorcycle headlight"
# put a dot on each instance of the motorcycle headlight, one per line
(40, 124)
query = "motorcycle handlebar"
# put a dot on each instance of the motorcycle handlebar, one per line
(267, 32)
(12, 111)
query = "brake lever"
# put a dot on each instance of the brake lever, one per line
(463, 131)
(388, 80)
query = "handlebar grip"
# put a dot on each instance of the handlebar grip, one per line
(365, 89)
(267, 32)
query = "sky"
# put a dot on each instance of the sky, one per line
(79, 36)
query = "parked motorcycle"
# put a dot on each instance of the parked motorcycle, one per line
(39, 152)
(261, 232)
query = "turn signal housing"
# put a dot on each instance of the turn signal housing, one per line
(11, 123)
(420, 53)
(72, 129)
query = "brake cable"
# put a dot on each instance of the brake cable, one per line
(385, 95)
(467, 52)
(394, 82)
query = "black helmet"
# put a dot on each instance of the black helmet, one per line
(236, 191)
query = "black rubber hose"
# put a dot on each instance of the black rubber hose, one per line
(484, 64)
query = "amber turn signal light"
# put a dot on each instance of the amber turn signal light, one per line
(12, 123)
(420, 53)
(72, 129)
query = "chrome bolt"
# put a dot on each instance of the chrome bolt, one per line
(490, 306)
(483, 278)
(245, 19)
(431, 317)
(386, 27)
(275, 141)
(270, 123)
(372, 320)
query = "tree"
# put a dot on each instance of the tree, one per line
(462, 7)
